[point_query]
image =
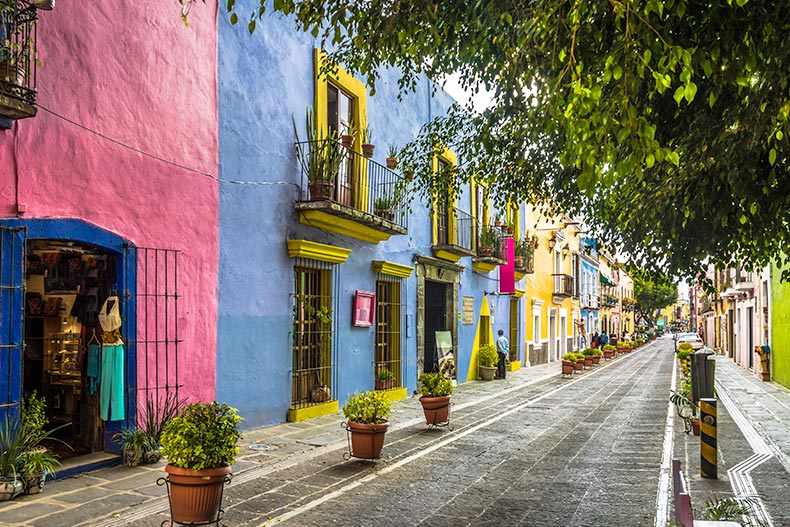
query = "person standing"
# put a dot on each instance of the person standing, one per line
(503, 348)
(603, 339)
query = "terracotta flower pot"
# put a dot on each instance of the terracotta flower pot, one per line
(392, 162)
(384, 384)
(596, 359)
(321, 190)
(588, 361)
(567, 367)
(367, 440)
(347, 141)
(695, 426)
(436, 409)
(368, 149)
(578, 365)
(196, 495)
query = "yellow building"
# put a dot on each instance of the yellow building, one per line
(609, 313)
(552, 306)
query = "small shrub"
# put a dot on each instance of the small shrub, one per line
(435, 385)
(684, 354)
(487, 356)
(203, 435)
(385, 374)
(609, 347)
(597, 352)
(569, 356)
(588, 352)
(367, 407)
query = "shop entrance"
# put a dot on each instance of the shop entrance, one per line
(66, 285)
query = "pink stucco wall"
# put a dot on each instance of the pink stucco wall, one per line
(132, 72)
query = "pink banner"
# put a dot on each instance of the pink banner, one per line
(507, 277)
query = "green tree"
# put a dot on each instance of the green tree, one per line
(653, 291)
(663, 122)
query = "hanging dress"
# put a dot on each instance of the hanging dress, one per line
(111, 405)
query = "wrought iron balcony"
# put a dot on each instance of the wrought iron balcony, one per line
(454, 235)
(370, 196)
(526, 265)
(588, 301)
(17, 59)
(564, 286)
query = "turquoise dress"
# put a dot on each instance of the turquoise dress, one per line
(111, 407)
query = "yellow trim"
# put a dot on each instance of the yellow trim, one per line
(515, 366)
(519, 293)
(447, 255)
(484, 310)
(483, 267)
(395, 394)
(327, 222)
(483, 327)
(356, 90)
(392, 269)
(317, 251)
(300, 414)
(519, 275)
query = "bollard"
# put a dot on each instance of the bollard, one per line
(708, 451)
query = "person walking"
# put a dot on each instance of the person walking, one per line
(594, 340)
(503, 348)
(603, 339)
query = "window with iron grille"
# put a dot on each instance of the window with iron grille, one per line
(313, 332)
(388, 329)
(443, 204)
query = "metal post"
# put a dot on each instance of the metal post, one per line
(708, 450)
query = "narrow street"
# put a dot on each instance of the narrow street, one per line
(533, 450)
(576, 452)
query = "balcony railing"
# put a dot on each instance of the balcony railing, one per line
(564, 285)
(360, 184)
(17, 59)
(588, 301)
(455, 233)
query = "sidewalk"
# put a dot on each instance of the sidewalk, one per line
(120, 495)
(753, 444)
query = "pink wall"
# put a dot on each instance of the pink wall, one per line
(132, 72)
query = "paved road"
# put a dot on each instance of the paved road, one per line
(581, 452)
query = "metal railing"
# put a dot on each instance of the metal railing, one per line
(497, 246)
(564, 284)
(359, 183)
(18, 50)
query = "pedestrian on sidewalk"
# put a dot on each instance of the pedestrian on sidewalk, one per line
(603, 339)
(503, 348)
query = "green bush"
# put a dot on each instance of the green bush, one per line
(435, 385)
(367, 407)
(609, 347)
(597, 352)
(685, 353)
(588, 352)
(569, 356)
(203, 435)
(487, 356)
(686, 347)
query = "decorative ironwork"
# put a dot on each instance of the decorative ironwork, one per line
(17, 54)
(564, 285)
(361, 184)
(389, 343)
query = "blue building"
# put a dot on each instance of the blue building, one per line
(318, 294)
(588, 290)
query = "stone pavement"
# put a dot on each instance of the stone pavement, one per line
(122, 495)
(754, 434)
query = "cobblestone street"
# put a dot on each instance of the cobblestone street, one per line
(534, 450)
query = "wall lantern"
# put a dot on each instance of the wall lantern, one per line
(552, 243)
(566, 251)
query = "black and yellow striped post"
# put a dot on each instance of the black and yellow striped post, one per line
(708, 452)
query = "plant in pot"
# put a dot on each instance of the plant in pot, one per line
(487, 360)
(319, 157)
(597, 354)
(435, 392)
(684, 407)
(587, 357)
(382, 207)
(12, 443)
(609, 351)
(141, 444)
(200, 446)
(523, 252)
(347, 138)
(367, 145)
(385, 379)
(35, 461)
(568, 363)
(367, 414)
(392, 157)
(489, 239)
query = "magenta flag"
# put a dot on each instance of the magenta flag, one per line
(507, 276)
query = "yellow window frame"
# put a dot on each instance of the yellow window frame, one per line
(356, 90)
(449, 157)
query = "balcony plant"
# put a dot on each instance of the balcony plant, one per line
(367, 142)
(392, 157)
(435, 391)
(523, 251)
(200, 446)
(321, 160)
(489, 239)
(385, 379)
(367, 415)
(382, 207)
(487, 359)
(347, 138)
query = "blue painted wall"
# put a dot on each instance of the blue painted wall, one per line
(264, 81)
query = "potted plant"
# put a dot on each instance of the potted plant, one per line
(609, 351)
(367, 138)
(487, 359)
(685, 407)
(597, 354)
(35, 462)
(435, 391)
(523, 252)
(367, 414)
(489, 239)
(141, 444)
(392, 157)
(12, 442)
(35, 465)
(200, 446)
(568, 361)
(382, 207)
(347, 138)
(321, 160)
(134, 444)
(385, 379)
(587, 357)
(579, 365)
